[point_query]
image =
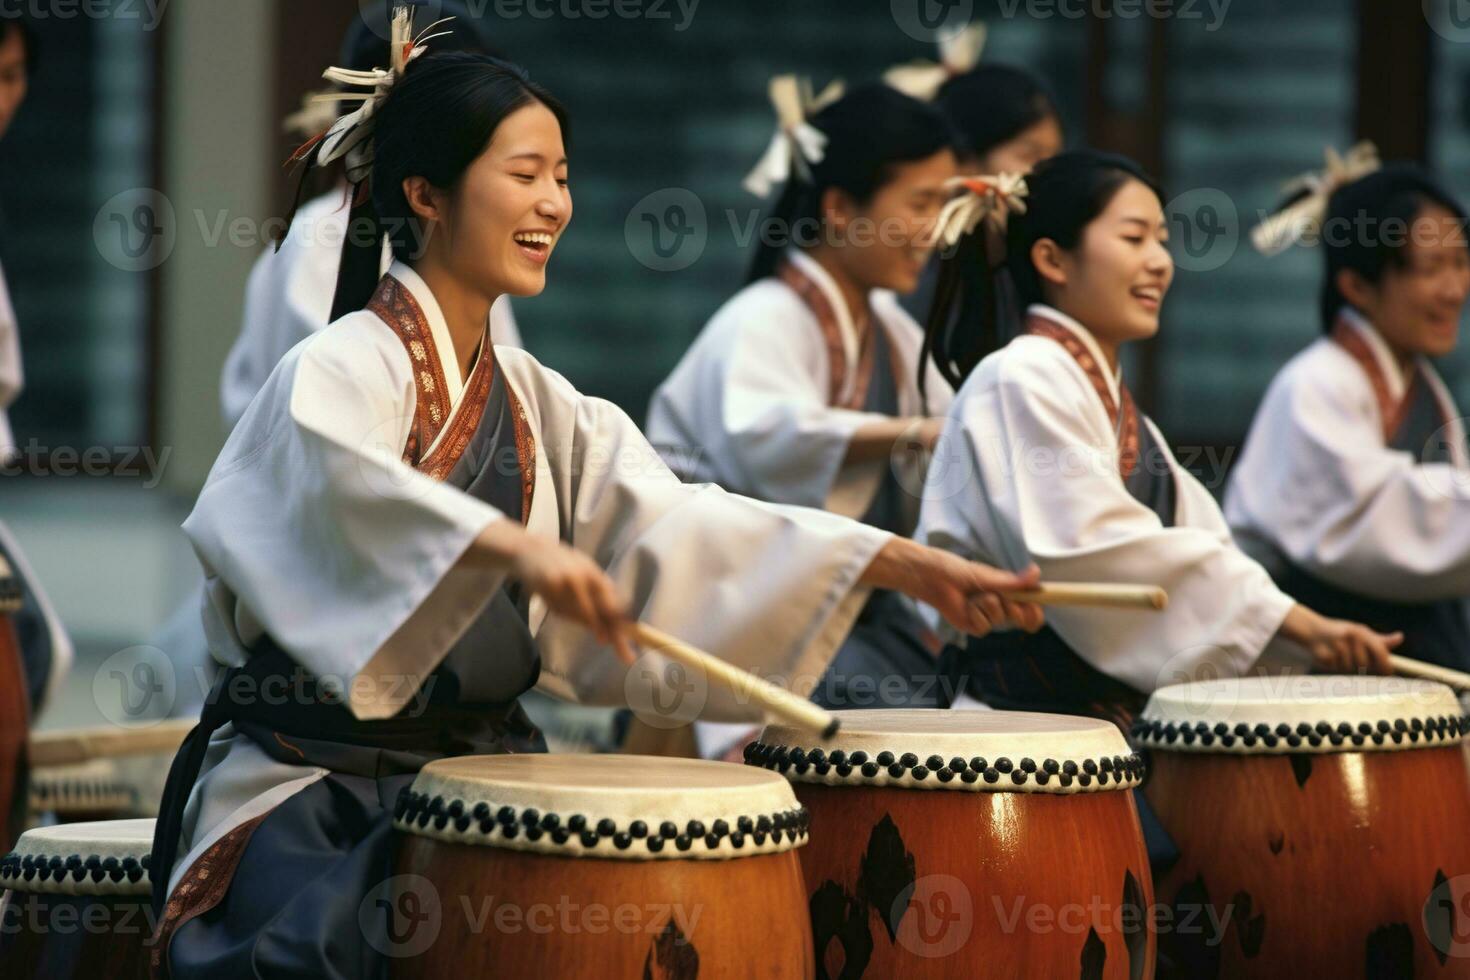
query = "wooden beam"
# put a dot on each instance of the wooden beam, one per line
(1395, 51)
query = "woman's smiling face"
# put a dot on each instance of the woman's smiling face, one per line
(1115, 280)
(509, 210)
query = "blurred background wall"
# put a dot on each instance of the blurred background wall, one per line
(137, 185)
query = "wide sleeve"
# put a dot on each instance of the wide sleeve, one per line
(313, 531)
(1028, 472)
(1319, 482)
(787, 441)
(772, 589)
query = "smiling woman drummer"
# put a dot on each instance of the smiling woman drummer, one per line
(403, 500)
(1051, 462)
(1353, 486)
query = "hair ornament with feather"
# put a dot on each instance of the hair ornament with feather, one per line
(959, 53)
(990, 199)
(1307, 195)
(797, 145)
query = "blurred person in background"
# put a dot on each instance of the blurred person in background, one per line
(803, 388)
(1353, 487)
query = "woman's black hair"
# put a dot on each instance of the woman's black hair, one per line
(438, 118)
(870, 131)
(18, 23)
(1367, 227)
(1066, 193)
(994, 104)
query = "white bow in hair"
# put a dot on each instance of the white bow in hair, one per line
(350, 137)
(1303, 217)
(990, 199)
(958, 55)
(797, 145)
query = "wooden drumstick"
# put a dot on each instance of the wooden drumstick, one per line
(72, 745)
(1095, 594)
(1409, 667)
(776, 700)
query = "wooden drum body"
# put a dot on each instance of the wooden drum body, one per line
(966, 844)
(77, 902)
(1325, 816)
(606, 866)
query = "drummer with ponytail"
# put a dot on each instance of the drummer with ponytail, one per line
(1046, 459)
(411, 527)
(804, 388)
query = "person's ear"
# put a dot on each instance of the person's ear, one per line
(1049, 259)
(1359, 292)
(838, 208)
(426, 201)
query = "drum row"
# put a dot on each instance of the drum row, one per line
(1317, 824)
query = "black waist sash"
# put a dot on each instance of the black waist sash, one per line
(470, 698)
(238, 697)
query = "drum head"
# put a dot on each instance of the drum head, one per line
(611, 806)
(987, 751)
(1302, 713)
(108, 857)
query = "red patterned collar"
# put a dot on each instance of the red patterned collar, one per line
(1124, 416)
(440, 435)
(816, 300)
(1391, 410)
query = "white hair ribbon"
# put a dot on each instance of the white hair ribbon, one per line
(350, 138)
(1303, 217)
(797, 145)
(990, 199)
(959, 53)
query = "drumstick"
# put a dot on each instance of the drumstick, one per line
(72, 745)
(1093, 594)
(1409, 667)
(776, 700)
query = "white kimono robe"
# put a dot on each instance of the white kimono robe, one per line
(750, 406)
(312, 530)
(1028, 470)
(288, 297)
(12, 379)
(1333, 480)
